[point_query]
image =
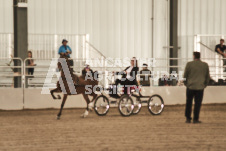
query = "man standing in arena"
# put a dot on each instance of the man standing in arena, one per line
(196, 79)
(65, 50)
(221, 48)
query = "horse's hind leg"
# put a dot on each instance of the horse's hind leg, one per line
(87, 108)
(62, 106)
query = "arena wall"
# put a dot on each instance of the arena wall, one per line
(13, 99)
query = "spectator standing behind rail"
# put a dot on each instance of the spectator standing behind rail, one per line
(145, 76)
(221, 48)
(65, 50)
(197, 78)
(30, 63)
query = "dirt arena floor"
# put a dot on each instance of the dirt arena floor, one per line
(39, 130)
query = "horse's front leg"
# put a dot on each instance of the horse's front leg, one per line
(87, 108)
(91, 104)
(62, 106)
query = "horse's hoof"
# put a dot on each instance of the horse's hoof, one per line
(85, 114)
(58, 117)
(59, 97)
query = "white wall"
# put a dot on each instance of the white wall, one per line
(6, 16)
(118, 28)
(199, 17)
(12, 99)
(6, 27)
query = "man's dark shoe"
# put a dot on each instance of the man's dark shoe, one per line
(197, 122)
(188, 121)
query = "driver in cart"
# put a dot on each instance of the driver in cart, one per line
(129, 75)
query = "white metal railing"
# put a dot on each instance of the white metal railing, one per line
(46, 46)
(43, 65)
(22, 1)
(93, 52)
(206, 45)
(9, 69)
(102, 65)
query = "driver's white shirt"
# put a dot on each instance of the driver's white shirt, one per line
(128, 72)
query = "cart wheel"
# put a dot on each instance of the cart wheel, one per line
(155, 104)
(126, 105)
(101, 105)
(137, 105)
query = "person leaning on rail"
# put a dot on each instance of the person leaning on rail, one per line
(220, 49)
(30, 63)
(197, 77)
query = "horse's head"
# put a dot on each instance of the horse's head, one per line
(63, 56)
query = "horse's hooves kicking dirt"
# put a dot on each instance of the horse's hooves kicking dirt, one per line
(58, 117)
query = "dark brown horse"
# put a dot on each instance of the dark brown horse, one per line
(77, 85)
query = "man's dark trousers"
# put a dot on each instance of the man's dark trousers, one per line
(198, 95)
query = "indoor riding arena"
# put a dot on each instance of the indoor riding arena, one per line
(112, 75)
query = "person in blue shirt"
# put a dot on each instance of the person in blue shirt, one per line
(65, 49)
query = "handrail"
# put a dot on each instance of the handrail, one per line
(198, 41)
(122, 67)
(216, 73)
(207, 35)
(206, 46)
(57, 34)
(19, 67)
(96, 49)
(102, 55)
